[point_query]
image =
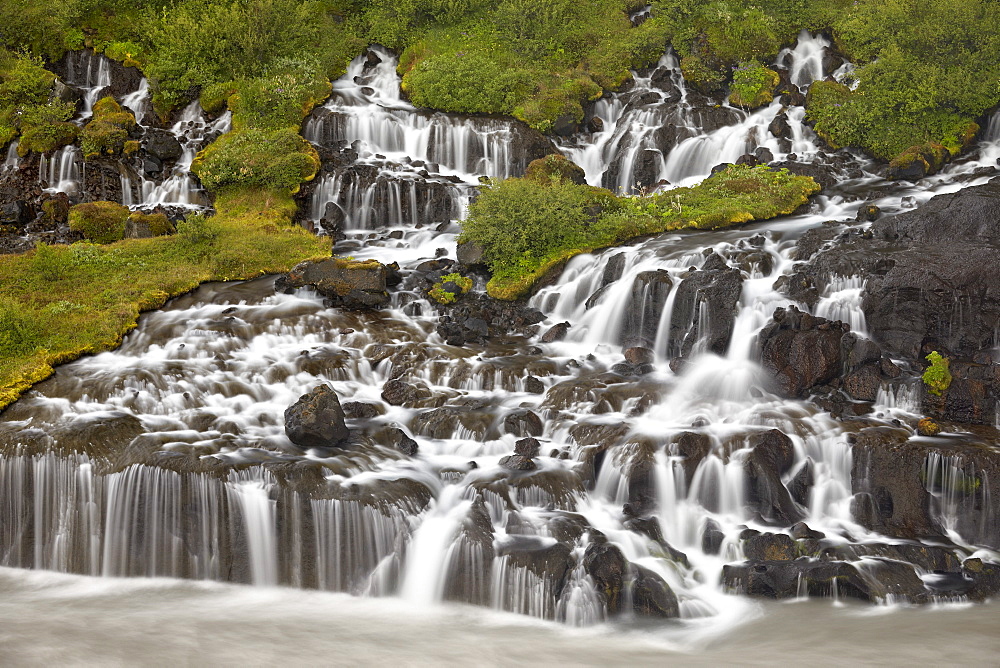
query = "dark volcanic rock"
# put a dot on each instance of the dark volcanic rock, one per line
(714, 289)
(652, 596)
(523, 423)
(345, 283)
(645, 304)
(801, 351)
(316, 419)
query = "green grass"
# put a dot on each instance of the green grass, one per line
(60, 302)
(527, 228)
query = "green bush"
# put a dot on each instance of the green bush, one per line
(555, 167)
(753, 85)
(108, 131)
(937, 377)
(46, 138)
(278, 159)
(100, 222)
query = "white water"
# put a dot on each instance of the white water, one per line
(209, 377)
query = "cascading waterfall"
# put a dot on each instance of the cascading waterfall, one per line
(168, 456)
(805, 60)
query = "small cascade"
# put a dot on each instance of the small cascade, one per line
(13, 160)
(90, 71)
(194, 130)
(62, 171)
(841, 300)
(956, 488)
(804, 61)
(252, 499)
(139, 101)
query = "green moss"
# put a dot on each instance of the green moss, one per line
(442, 296)
(252, 234)
(278, 159)
(554, 167)
(28, 108)
(157, 223)
(937, 376)
(56, 210)
(527, 228)
(108, 131)
(100, 222)
(753, 85)
(48, 137)
(701, 75)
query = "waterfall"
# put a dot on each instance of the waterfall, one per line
(805, 60)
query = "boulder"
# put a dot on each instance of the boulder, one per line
(800, 351)
(348, 284)
(316, 420)
(715, 289)
(523, 422)
(651, 596)
(608, 567)
(649, 293)
(162, 145)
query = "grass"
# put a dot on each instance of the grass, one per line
(60, 302)
(527, 228)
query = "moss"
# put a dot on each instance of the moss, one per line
(278, 159)
(100, 222)
(528, 229)
(753, 85)
(108, 131)
(442, 296)
(56, 210)
(937, 376)
(157, 223)
(48, 137)
(214, 97)
(131, 147)
(251, 235)
(701, 75)
(554, 167)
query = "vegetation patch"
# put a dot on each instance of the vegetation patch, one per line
(753, 85)
(60, 302)
(28, 108)
(108, 131)
(527, 227)
(937, 376)
(443, 292)
(99, 222)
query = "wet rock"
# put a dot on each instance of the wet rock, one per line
(162, 145)
(779, 127)
(880, 581)
(452, 422)
(608, 567)
(518, 463)
(613, 270)
(639, 355)
(714, 292)
(555, 333)
(362, 410)
(928, 427)
(533, 385)
(802, 482)
(770, 547)
(316, 420)
(650, 527)
(651, 596)
(396, 392)
(868, 213)
(527, 447)
(645, 304)
(523, 423)
(403, 442)
(801, 531)
(694, 447)
(971, 397)
(462, 323)
(547, 561)
(712, 537)
(99, 434)
(471, 560)
(595, 124)
(346, 284)
(800, 351)
(772, 456)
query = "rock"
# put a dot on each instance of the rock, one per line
(465, 320)
(779, 127)
(162, 145)
(470, 253)
(802, 482)
(527, 447)
(801, 351)
(639, 355)
(770, 547)
(613, 270)
(518, 463)
(399, 393)
(546, 561)
(362, 410)
(533, 385)
(608, 567)
(772, 449)
(555, 333)
(714, 290)
(451, 422)
(772, 456)
(868, 213)
(645, 303)
(801, 531)
(595, 124)
(316, 420)
(880, 582)
(523, 423)
(712, 537)
(403, 442)
(347, 284)
(928, 427)
(694, 447)
(651, 596)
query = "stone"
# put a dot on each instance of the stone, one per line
(348, 284)
(555, 333)
(523, 423)
(798, 354)
(316, 420)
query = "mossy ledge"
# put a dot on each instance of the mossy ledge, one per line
(527, 227)
(61, 302)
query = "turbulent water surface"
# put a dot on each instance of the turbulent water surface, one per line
(167, 458)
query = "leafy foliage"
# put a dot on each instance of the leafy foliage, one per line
(753, 85)
(937, 377)
(442, 296)
(278, 159)
(526, 226)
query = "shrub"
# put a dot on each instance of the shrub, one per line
(156, 224)
(279, 159)
(108, 131)
(100, 222)
(753, 85)
(46, 138)
(937, 377)
(442, 296)
(554, 167)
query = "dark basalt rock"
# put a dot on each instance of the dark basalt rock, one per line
(715, 288)
(645, 303)
(772, 456)
(518, 463)
(694, 447)
(879, 581)
(609, 568)
(770, 547)
(316, 420)
(712, 537)
(651, 596)
(555, 333)
(801, 351)
(477, 319)
(162, 144)
(346, 284)
(523, 423)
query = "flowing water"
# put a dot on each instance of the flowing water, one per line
(167, 458)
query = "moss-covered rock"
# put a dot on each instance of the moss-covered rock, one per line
(48, 137)
(108, 131)
(100, 222)
(141, 225)
(753, 85)
(555, 167)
